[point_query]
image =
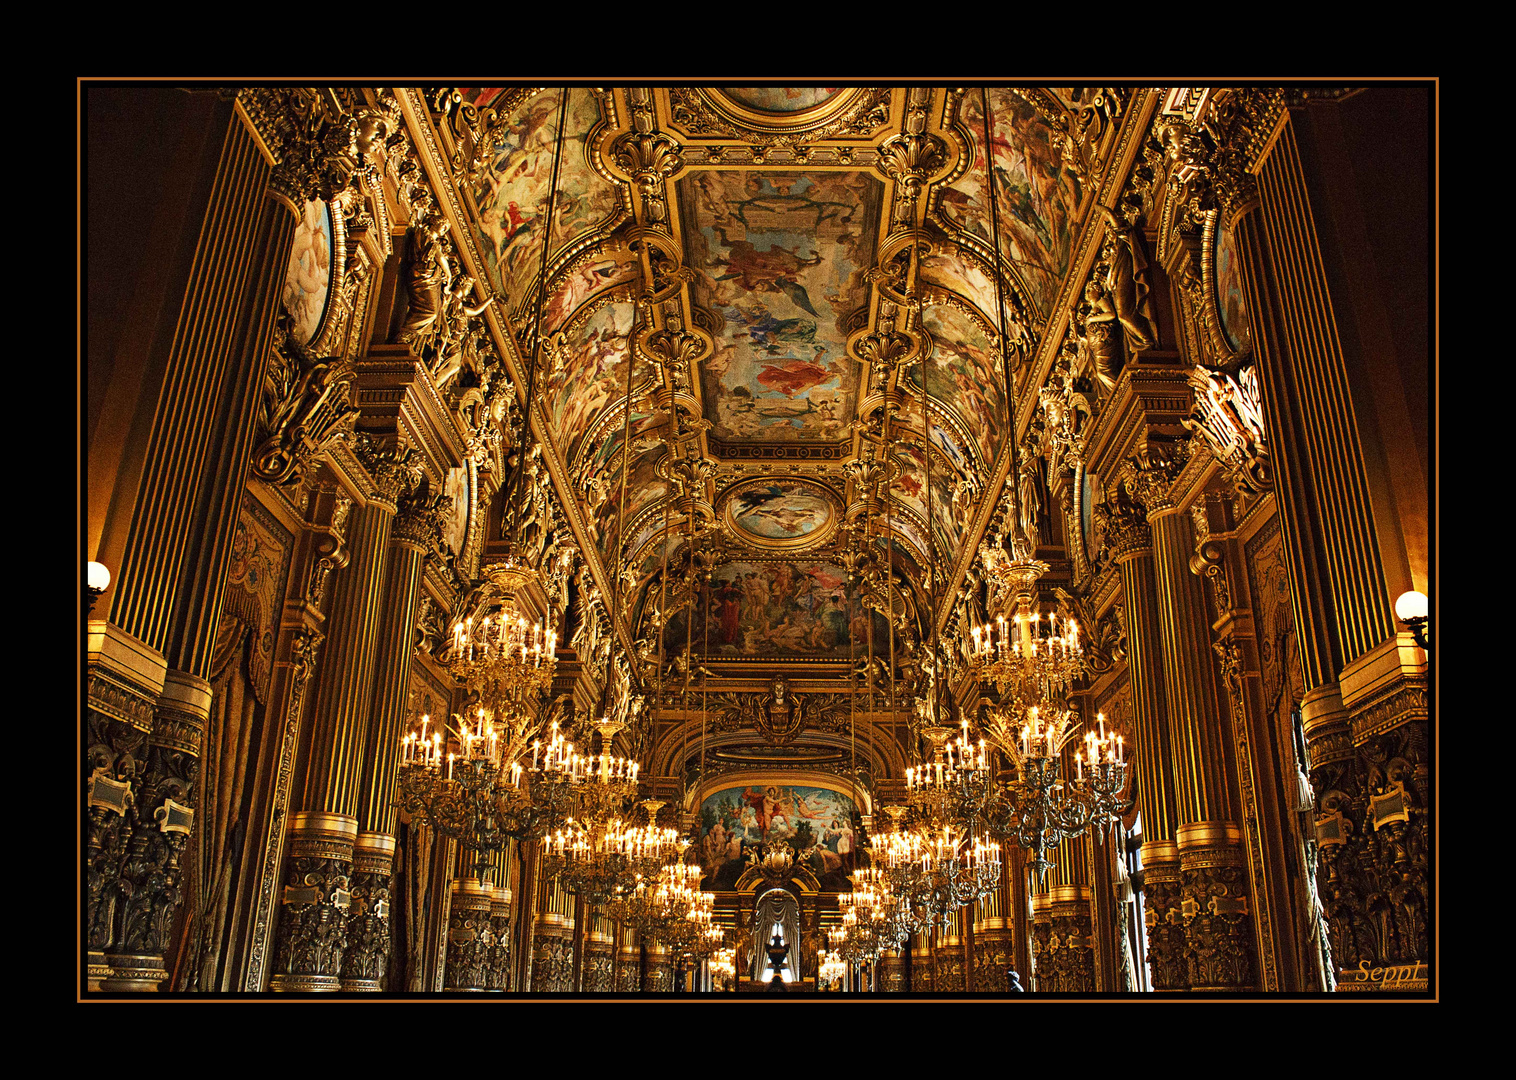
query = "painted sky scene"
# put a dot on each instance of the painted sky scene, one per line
(781, 258)
(780, 510)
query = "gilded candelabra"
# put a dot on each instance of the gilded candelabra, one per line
(1040, 807)
(478, 794)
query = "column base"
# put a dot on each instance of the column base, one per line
(95, 970)
(304, 984)
(360, 986)
(132, 973)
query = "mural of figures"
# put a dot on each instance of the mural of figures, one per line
(310, 272)
(949, 520)
(589, 373)
(513, 194)
(782, 258)
(776, 609)
(781, 99)
(780, 510)
(643, 487)
(1229, 298)
(816, 823)
(595, 276)
(1038, 197)
(966, 373)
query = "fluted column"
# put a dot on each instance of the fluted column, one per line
(497, 978)
(599, 966)
(1150, 749)
(1043, 979)
(1215, 903)
(553, 941)
(367, 955)
(992, 953)
(947, 957)
(1071, 943)
(333, 759)
(173, 549)
(628, 961)
(659, 978)
(922, 981)
(1101, 849)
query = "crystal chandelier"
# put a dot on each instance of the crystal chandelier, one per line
(1028, 658)
(480, 795)
(1041, 807)
(953, 785)
(496, 652)
(833, 968)
(603, 857)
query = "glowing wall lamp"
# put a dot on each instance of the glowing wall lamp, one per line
(1411, 609)
(97, 579)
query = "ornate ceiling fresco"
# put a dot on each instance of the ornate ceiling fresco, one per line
(739, 268)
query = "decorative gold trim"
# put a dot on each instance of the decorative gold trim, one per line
(319, 823)
(1207, 834)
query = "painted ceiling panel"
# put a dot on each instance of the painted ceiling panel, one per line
(514, 192)
(1038, 196)
(781, 258)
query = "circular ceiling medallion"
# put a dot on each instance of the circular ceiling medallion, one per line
(781, 108)
(782, 100)
(781, 513)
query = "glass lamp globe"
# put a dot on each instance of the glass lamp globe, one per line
(1411, 605)
(98, 577)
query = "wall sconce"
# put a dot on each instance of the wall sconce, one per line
(1411, 609)
(97, 579)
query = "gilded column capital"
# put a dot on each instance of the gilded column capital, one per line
(422, 520)
(315, 143)
(393, 469)
(1123, 522)
(1149, 474)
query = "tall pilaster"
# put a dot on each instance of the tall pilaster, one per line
(333, 758)
(1365, 711)
(1133, 545)
(170, 529)
(1215, 904)
(413, 535)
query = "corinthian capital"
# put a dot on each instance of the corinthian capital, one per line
(1150, 473)
(422, 520)
(316, 145)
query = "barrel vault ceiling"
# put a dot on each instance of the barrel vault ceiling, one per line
(728, 261)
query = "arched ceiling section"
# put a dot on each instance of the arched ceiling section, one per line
(1039, 192)
(761, 232)
(512, 196)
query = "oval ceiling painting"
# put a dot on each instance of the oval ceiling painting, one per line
(782, 100)
(781, 513)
